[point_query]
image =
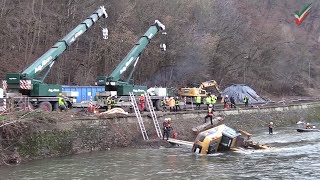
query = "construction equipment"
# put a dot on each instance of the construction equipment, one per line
(193, 92)
(120, 87)
(153, 115)
(30, 83)
(138, 115)
(223, 138)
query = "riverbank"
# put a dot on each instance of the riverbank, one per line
(37, 135)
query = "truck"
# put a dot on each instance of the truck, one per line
(118, 86)
(28, 89)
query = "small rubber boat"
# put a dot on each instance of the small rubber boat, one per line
(308, 130)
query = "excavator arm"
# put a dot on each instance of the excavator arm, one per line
(211, 83)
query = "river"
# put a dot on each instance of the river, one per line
(293, 156)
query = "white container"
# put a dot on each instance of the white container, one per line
(160, 91)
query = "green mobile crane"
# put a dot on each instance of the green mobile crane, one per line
(28, 88)
(114, 85)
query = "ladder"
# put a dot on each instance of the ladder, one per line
(140, 120)
(153, 115)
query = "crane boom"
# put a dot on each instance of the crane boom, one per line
(29, 82)
(131, 57)
(52, 54)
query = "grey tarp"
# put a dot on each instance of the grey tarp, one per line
(239, 91)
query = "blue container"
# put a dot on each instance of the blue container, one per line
(84, 92)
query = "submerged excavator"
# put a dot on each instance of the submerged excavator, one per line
(219, 138)
(223, 138)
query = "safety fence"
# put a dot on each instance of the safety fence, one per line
(3, 104)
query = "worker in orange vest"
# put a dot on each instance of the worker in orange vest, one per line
(141, 102)
(171, 103)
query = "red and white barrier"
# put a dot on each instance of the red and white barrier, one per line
(4, 85)
(91, 107)
(25, 84)
(3, 106)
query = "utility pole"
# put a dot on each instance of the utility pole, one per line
(309, 83)
(244, 68)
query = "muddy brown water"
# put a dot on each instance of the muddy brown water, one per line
(293, 156)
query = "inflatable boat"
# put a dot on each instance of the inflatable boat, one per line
(307, 130)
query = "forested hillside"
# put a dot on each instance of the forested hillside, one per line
(232, 41)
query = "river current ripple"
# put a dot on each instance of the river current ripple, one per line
(293, 156)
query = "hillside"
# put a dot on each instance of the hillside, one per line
(251, 42)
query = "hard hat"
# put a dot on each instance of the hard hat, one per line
(169, 119)
(210, 105)
(271, 123)
(165, 119)
(60, 94)
(308, 124)
(142, 94)
(226, 95)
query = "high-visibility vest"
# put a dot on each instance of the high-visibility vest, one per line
(171, 102)
(208, 100)
(60, 101)
(177, 102)
(109, 101)
(163, 102)
(213, 99)
(198, 99)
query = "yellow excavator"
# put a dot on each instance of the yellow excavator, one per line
(195, 91)
(223, 138)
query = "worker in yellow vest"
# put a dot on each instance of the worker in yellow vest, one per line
(198, 102)
(177, 104)
(246, 101)
(208, 101)
(164, 104)
(61, 102)
(213, 100)
(109, 102)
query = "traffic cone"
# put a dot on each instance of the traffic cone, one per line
(91, 107)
